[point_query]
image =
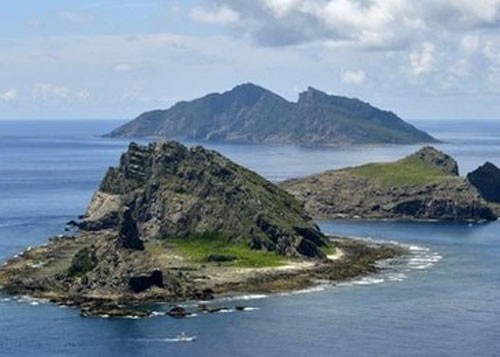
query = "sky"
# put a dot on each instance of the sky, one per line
(426, 59)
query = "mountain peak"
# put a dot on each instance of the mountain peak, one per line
(173, 191)
(247, 86)
(249, 113)
(437, 159)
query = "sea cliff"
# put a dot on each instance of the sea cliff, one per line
(422, 186)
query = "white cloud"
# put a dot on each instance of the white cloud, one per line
(491, 52)
(50, 92)
(353, 76)
(222, 15)
(9, 95)
(422, 59)
(122, 67)
(365, 23)
(46, 91)
(281, 7)
(82, 95)
(470, 43)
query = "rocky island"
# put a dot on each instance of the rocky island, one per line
(251, 114)
(172, 223)
(424, 185)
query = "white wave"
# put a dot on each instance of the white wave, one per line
(423, 259)
(396, 277)
(250, 308)
(30, 300)
(158, 313)
(313, 289)
(223, 311)
(369, 281)
(244, 297)
(417, 248)
(375, 280)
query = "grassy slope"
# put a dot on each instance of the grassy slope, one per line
(197, 248)
(405, 172)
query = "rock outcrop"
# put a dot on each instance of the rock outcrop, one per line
(142, 283)
(437, 159)
(166, 190)
(423, 185)
(252, 114)
(486, 179)
(129, 248)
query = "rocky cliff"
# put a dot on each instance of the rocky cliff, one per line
(486, 179)
(169, 223)
(166, 190)
(424, 185)
(252, 114)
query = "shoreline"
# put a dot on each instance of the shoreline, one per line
(354, 258)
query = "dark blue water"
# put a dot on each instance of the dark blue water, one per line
(444, 302)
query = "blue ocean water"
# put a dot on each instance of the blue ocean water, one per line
(445, 302)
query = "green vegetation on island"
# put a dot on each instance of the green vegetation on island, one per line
(252, 114)
(409, 171)
(424, 185)
(207, 248)
(172, 223)
(83, 262)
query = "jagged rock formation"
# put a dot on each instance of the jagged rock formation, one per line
(252, 114)
(436, 159)
(130, 246)
(486, 179)
(159, 193)
(167, 190)
(423, 185)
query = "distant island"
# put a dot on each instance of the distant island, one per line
(172, 223)
(422, 186)
(251, 114)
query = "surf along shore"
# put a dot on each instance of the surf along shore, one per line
(31, 274)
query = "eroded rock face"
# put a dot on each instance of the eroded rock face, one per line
(142, 283)
(128, 233)
(444, 209)
(346, 194)
(437, 159)
(486, 179)
(173, 191)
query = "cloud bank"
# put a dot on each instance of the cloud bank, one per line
(365, 23)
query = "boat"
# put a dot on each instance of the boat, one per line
(182, 337)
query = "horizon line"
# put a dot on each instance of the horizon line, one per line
(130, 119)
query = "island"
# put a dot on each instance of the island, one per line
(251, 114)
(172, 223)
(421, 186)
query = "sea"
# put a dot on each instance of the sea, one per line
(441, 300)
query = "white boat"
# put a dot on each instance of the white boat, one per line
(182, 337)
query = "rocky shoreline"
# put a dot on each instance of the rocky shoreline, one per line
(25, 275)
(421, 187)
